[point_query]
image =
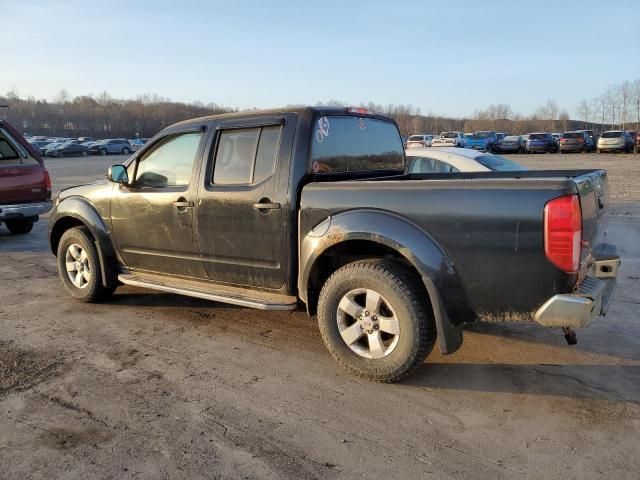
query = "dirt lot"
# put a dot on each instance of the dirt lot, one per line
(152, 385)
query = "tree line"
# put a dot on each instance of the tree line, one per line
(100, 116)
(103, 116)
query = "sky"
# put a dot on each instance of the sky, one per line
(448, 58)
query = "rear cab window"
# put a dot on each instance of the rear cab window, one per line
(348, 143)
(12, 153)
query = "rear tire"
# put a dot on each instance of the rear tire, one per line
(401, 302)
(19, 226)
(79, 266)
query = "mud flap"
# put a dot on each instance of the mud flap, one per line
(450, 336)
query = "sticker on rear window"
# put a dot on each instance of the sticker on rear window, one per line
(323, 129)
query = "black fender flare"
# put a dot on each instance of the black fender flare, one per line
(81, 210)
(405, 238)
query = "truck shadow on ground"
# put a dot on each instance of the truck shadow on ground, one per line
(618, 383)
(601, 341)
(31, 242)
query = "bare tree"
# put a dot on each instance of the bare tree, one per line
(625, 95)
(584, 112)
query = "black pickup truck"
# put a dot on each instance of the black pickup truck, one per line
(312, 206)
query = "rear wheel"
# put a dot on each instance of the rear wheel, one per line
(375, 321)
(84, 153)
(79, 266)
(19, 226)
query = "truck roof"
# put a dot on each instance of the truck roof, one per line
(300, 110)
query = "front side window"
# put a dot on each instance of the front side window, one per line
(246, 155)
(169, 162)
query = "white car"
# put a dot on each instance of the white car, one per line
(419, 141)
(452, 160)
(449, 139)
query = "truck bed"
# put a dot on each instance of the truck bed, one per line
(488, 224)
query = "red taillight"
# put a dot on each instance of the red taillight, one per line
(47, 179)
(563, 232)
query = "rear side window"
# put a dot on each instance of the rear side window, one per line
(351, 144)
(7, 153)
(429, 165)
(246, 155)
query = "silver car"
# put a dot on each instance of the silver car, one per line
(615, 141)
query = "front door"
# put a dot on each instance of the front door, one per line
(243, 213)
(152, 217)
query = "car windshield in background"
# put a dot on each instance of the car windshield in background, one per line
(611, 134)
(498, 163)
(481, 135)
(538, 136)
(351, 144)
(416, 138)
(512, 138)
(450, 135)
(572, 135)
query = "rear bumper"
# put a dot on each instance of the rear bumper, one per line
(592, 299)
(572, 147)
(22, 210)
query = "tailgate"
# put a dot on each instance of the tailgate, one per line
(593, 188)
(22, 183)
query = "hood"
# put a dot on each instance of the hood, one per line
(86, 189)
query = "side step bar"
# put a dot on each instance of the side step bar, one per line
(216, 293)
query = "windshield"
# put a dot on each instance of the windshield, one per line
(512, 138)
(450, 135)
(416, 138)
(498, 163)
(538, 136)
(481, 134)
(350, 143)
(572, 135)
(611, 134)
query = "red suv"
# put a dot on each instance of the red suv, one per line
(25, 185)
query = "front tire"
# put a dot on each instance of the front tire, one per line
(79, 266)
(19, 226)
(103, 152)
(125, 151)
(375, 321)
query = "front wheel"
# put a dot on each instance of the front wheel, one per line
(79, 266)
(125, 151)
(375, 321)
(103, 152)
(84, 153)
(19, 226)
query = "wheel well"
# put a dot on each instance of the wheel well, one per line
(346, 252)
(59, 228)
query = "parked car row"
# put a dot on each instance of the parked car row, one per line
(536, 142)
(84, 146)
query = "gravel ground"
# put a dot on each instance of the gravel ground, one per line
(152, 385)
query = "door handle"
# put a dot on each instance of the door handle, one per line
(266, 206)
(182, 204)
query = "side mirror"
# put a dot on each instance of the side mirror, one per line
(118, 174)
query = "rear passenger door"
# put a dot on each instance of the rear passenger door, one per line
(243, 213)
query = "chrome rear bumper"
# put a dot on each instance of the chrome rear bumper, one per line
(24, 210)
(588, 303)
